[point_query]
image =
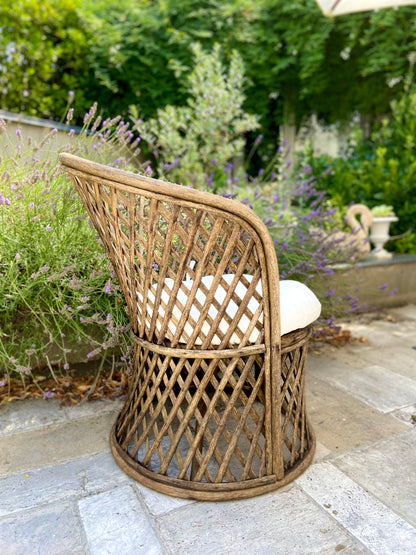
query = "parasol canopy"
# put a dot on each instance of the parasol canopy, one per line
(339, 7)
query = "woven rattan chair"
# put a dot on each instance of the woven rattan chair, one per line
(215, 408)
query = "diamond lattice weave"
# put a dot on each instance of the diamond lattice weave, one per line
(215, 407)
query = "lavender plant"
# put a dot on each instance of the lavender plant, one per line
(58, 294)
(309, 233)
(201, 145)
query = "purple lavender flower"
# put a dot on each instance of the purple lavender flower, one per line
(69, 115)
(258, 140)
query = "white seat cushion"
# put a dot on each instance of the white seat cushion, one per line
(299, 307)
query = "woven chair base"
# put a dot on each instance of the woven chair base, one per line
(203, 429)
(203, 491)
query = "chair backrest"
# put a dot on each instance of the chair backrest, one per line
(197, 270)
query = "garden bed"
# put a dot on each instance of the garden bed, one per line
(379, 284)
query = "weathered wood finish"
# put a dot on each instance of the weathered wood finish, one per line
(210, 413)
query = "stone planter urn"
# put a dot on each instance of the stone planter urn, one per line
(380, 234)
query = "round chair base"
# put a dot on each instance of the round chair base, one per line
(205, 491)
(207, 429)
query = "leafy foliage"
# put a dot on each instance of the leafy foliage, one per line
(138, 52)
(381, 170)
(194, 143)
(42, 51)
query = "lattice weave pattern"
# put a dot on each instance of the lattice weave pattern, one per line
(155, 245)
(214, 408)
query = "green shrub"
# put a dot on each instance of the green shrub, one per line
(42, 55)
(382, 211)
(381, 170)
(192, 144)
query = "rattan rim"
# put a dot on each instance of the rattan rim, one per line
(198, 491)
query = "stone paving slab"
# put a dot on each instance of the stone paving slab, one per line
(407, 414)
(407, 312)
(399, 337)
(381, 530)
(93, 408)
(343, 422)
(281, 522)
(50, 529)
(399, 360)
(30, 414)
(382, 334)
(329, 357)
(115, 522)
(380, 388)
(158, 503)
(76, 478)
(55, 443)
(387, 470)
(359, 496)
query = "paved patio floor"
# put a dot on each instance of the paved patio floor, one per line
(61, 491)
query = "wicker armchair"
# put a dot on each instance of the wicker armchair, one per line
(215, 408)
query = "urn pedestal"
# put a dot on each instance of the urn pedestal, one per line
(380, 234)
